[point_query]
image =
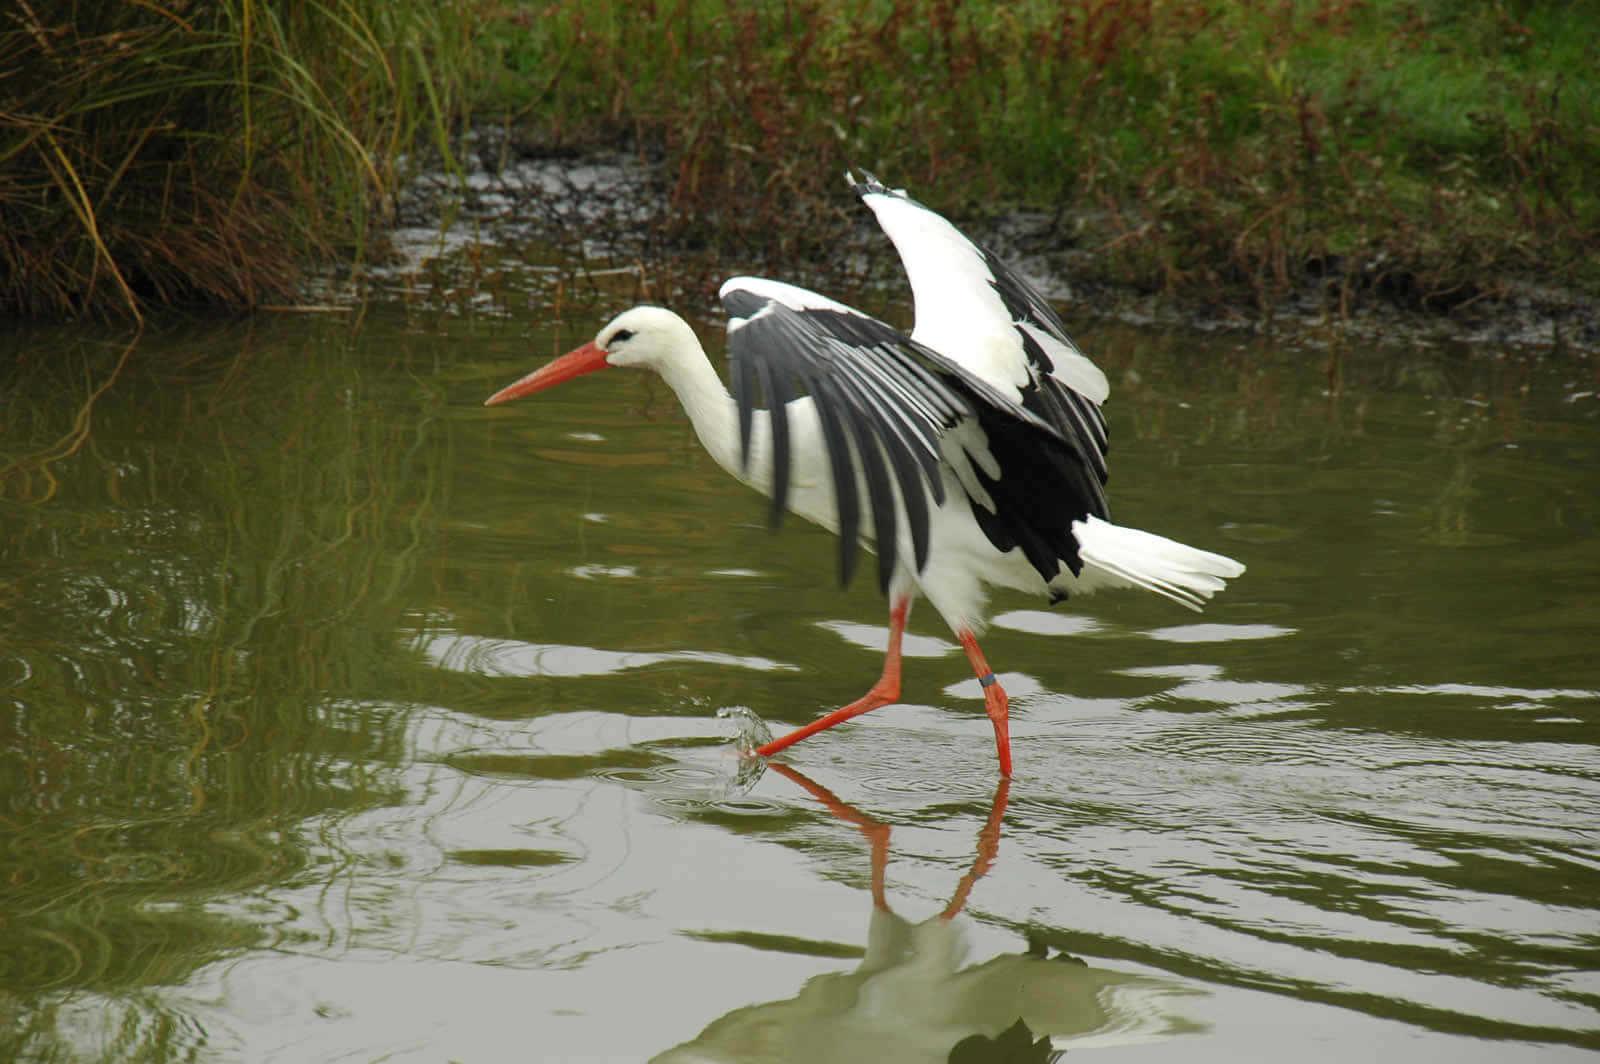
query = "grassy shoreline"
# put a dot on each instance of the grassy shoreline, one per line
(1244, 156)
(1428, 154)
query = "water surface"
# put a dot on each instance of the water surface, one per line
(344, 719)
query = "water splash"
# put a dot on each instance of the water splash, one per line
(750, 730)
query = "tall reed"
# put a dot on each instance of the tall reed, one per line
(204, 152)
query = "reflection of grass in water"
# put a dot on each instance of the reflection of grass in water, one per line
(129, 1032)
(200, 629)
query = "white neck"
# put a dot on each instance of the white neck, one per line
(710, 407)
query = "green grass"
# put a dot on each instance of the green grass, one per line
(1430, 150)
(158, 154)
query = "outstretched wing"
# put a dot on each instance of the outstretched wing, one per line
(979, 312)
(899, 414)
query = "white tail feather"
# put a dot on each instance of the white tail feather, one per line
(1114, 556)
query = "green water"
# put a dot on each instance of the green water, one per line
(344, 719)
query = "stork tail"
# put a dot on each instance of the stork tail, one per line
(1115, 556)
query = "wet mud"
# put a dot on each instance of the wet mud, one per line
(581, 212)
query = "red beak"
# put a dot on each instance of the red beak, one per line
(574, 363)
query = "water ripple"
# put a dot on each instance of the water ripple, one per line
(508, 657)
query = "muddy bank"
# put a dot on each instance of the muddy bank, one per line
(581, 212)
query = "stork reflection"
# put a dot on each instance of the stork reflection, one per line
(910, 999)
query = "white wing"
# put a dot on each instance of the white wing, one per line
(977, 311)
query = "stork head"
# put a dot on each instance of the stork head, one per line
(646, 336)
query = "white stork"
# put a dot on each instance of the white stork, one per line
(975, 445)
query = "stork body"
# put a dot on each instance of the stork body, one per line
(969, 454)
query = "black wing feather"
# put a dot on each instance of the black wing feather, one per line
(776, 387)
(844, 484)
(1045, 395)
(867, 434)
(886, 402)
(1073, 415)
(843, 359)
(743, 379)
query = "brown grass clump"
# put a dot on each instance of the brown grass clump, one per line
(202, 152)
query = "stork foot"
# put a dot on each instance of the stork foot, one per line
(994, 701)
(999, 708)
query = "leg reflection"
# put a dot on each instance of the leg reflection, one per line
(913, 997)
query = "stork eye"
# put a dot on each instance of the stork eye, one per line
(619, 336)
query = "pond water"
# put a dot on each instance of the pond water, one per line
(342, 719)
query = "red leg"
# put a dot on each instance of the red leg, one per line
(886, 690)
(994, 700)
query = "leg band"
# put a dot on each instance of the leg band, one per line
(988, 681)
